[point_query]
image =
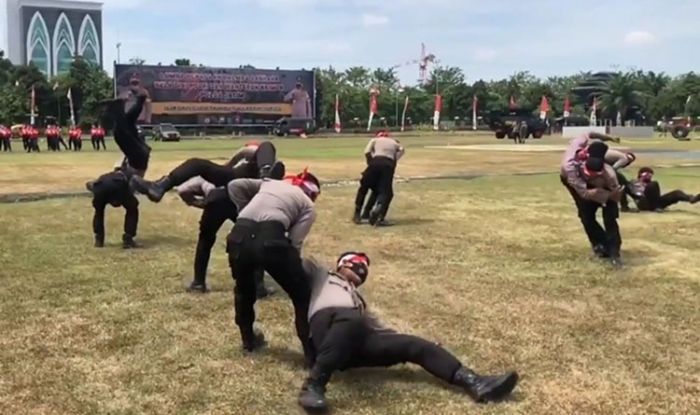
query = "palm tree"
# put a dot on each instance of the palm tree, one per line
(620, 95)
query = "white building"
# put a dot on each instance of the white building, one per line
(50, 33)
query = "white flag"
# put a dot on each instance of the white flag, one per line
(337, 114)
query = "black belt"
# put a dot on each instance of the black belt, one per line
(271, 228)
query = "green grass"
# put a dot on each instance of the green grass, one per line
(496, 268)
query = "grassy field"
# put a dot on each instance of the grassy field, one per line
(495, 267)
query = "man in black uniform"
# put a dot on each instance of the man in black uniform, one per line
(274, 219)
(646, 193)
(123, 114)
(346, 336)
(382, 154)
(113, 189)
(250, 162)
(192, 192)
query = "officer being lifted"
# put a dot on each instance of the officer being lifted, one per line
(382, 154)
(345, 335)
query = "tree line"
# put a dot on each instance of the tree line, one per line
(645, 96)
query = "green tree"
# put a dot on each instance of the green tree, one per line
(621, 95)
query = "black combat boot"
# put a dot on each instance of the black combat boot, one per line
(197, 287)
(128, 242)
(600, 251)
(616, 261)
(365, 214)
(356, 218)
(252, 340)
(485, 388)
(375, 214)
(153, 190)
(99, 241)
(313, 393)
(275, 171)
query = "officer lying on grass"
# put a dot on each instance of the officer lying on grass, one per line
(345, 335)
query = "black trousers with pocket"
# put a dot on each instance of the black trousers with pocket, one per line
(134, 148)
(608, 237)
(378, 177)
(213, 217)
(219, 175)
(254, 245)
(344, 339)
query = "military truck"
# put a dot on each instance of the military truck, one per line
(681, 127)
(510, 124)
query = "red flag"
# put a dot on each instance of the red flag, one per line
(438, 109)
(544, 107)
(373, 107)
(337, 114)
(512, 105)
(567, 107)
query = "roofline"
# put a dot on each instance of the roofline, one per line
(62, 4)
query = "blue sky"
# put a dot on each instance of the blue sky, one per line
(487, 39)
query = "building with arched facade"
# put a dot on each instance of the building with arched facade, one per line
(51, 33)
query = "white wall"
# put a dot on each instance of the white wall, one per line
(632, 132)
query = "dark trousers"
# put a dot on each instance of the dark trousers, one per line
(609, 238)
(126, 135)
(62, 142)
(220, 175)
(624, 202)
(379, 177)
(94, 142)
(131, 218)
(251, 246)
(213, 217)
(101, 140)
(6, 144)
(77, 144)
(25, 143)
(33, 145)
(344, 339)
(653, 199)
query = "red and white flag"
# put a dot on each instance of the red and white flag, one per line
(512, 104)
(438, 110)
(544, 107)
(70, 103)
(594, 110)
(475, 104)
(403, 115)
(373, 107)
(567, 108)
(337, 114)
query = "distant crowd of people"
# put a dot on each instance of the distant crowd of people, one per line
(30, 135)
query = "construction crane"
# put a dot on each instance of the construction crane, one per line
(423, 62)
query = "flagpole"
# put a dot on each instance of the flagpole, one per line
(403, 116)
(475, 102)
(32, 115)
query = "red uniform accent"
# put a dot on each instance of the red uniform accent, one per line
(5, 132)
(34, 133)
(75, 134)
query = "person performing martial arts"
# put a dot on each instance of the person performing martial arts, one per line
(275, 216)
(382, 154)
(113, 189)
(253, 161)
(346, 335)
(646, 193)
(123, 114)
(593, 184)
(214, 214)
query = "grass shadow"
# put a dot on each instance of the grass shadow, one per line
(288, 357)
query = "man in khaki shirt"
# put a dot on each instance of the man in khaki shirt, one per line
(593, 184)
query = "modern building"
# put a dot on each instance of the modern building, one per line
(51, 33)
